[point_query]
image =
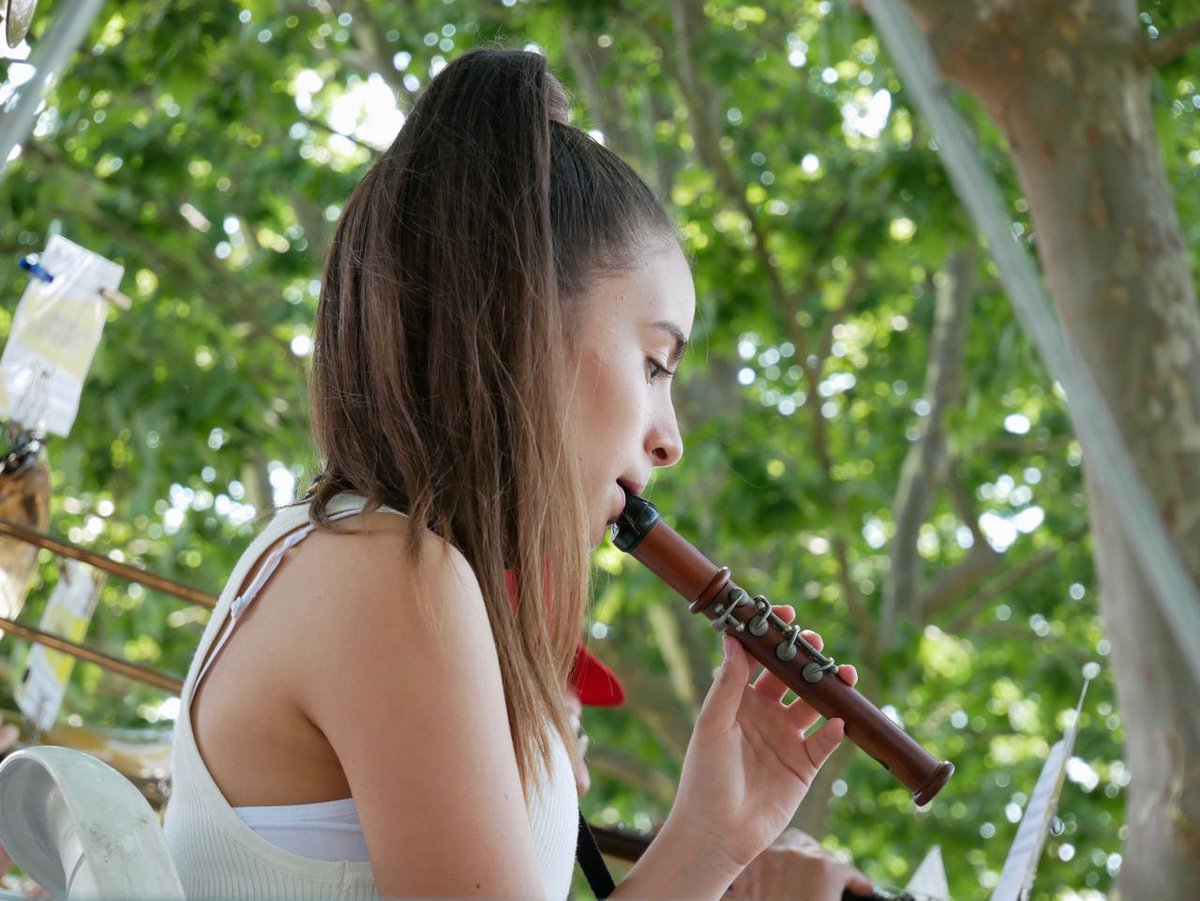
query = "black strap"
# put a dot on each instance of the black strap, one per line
(587, 852)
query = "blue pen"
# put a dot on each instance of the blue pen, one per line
(37, 270)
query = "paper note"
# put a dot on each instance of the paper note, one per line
(1016, 878)
(55, 333)
(67, 615)
(929, 881)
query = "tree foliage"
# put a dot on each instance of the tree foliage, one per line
(832, 441)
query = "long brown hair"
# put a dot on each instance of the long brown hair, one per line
(442, 358)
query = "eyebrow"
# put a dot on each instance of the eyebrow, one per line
(672, 329)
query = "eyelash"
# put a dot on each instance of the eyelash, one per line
(657, 370)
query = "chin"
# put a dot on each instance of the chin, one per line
(598, 536)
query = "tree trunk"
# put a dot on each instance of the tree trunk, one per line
(1068, 85)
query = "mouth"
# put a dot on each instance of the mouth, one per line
(632, 487)
(625, 486)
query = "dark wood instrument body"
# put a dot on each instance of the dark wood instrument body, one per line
(711, 591)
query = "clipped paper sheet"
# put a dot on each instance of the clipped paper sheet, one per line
(68, 613)
(929, 881)
(54, 337)
(1016, 878)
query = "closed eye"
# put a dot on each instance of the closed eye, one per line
(657, 371)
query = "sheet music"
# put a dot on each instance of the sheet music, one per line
(55, 333)
(67, 615)
(1016, 878)
(929, 881)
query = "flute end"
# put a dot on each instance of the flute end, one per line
(934, 784)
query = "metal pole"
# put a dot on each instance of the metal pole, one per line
(51, 54)
(99, 561)
(134, 671)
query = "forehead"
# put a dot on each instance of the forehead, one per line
(657, 288)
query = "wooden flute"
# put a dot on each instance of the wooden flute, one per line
(777, 645)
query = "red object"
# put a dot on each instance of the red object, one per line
(595, 683)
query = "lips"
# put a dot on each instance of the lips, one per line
(618, 506)
(624, 485)
(632, 487)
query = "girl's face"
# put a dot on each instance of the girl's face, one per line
(631, 332)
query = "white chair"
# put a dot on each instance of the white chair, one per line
(80, 829)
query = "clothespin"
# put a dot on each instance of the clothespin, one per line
(37, 270)
(116, 298)
(34, 268)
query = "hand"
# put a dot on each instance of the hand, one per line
(796, 866)
(749, 764)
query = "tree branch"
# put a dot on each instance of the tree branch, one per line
(855, 603)
(708, 147)
(1023, 445)
(631, 770)
(673, 647)
(1008, 580)
(698, 648)
(1171, 46)
(963, 500)
(371, 37)
(320, 124)
(680, 64)
(652, 699)
(950, 584)
(923, 463)
(581, 53)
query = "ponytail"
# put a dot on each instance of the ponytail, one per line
(441, 354)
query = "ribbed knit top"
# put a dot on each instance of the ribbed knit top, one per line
(218, 856)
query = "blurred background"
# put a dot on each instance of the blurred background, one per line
(915, 492)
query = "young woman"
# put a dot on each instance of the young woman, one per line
(377, 704)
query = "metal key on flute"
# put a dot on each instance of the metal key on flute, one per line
(777, 645)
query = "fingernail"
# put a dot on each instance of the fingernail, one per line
(725, 639)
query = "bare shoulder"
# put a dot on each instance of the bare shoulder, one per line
(400, 673)
(359, 597)
(366, 564)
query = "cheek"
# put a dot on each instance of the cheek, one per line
(610, 407)
(607, 392)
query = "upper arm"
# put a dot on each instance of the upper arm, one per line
(405, 684)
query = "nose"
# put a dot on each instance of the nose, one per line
(664, 442)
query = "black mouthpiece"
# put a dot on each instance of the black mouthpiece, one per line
(636, 520)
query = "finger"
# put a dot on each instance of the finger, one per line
(802, 713)
(770, 686)
(857, 881)
(725, 696)
(796, 839)
(818, 746)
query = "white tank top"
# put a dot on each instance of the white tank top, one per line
(307, 850)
